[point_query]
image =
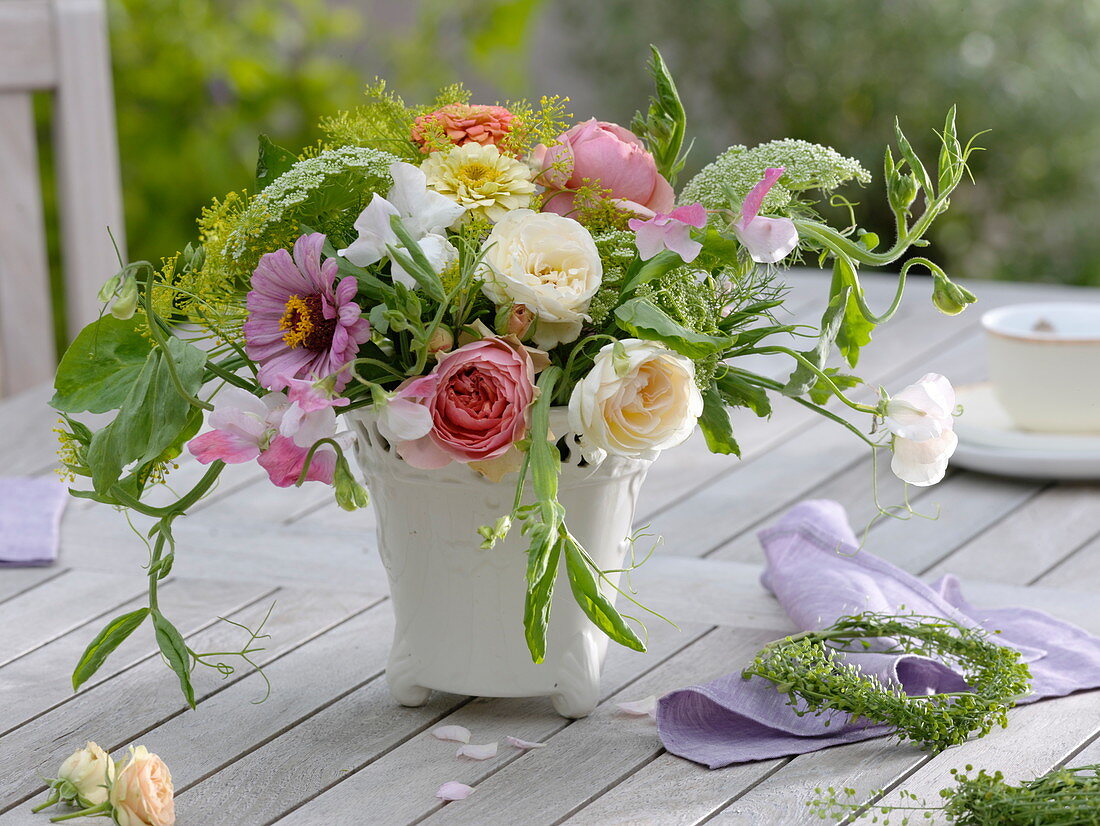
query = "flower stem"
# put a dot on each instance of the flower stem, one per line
(103, 809)
(51, 801)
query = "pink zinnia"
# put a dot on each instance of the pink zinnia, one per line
(465, 123)
(300, 323)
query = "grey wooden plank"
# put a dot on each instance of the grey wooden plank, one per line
(27, 444)
(671, 791)
(59, 605)
(1031, 539)
(14, 581)
(591, 754)
(40, 681)
(401, 784)
(330, 555)
(120, 710)
(1080, 570)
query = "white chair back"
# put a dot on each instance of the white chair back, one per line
(57, 47)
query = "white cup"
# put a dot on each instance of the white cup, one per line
(1044, 364)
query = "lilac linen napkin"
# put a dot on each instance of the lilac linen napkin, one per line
(30, 518)
(816, 572)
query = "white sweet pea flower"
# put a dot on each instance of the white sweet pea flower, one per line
(921, 419)
(425, 213)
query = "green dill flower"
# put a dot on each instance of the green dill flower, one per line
(808, 166)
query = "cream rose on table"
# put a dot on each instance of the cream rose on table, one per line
(142, 794)
(639, 397)
(547, 263)
(83, 778)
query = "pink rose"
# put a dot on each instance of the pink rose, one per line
(478, 405)
(606, 155)
(465, 123)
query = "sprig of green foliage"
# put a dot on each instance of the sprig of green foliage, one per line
(810, 669)
(1061, 797)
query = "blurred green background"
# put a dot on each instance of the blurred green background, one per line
(196, 80)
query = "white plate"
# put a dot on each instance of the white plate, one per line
(989, 442)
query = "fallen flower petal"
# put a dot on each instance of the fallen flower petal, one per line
(454, 791)
(482, 752)
(640, 708)
(515, 742)
(459, 734)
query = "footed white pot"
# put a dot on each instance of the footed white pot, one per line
(458, 608)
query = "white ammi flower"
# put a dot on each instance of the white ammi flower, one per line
(425, 214)
(549, 264)
(921, 417)
(638, 398)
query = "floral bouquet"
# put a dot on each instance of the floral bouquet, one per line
(453, 271)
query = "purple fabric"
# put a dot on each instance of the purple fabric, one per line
(30, 520)
(816, 572)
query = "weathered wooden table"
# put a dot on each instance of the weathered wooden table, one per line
(330, 747)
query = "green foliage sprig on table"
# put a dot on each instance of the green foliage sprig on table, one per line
(1062, 797)
(809, 668)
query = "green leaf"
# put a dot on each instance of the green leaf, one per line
(152, 416)
(540, 594)
(914, 162)
(642, 318)
(99, 368)
(803, 378)
(855, 329)
(416, 263)
(175, 651)
(596, 606)
(542, 520)
(820, 393)
(655, 267)
(737, 392)
(272, 162)
(715, 424)
(106, 641)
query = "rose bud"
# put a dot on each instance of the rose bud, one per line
(440, 340)
(519, 321)
(85, 775)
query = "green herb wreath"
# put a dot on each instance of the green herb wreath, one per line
(808, 668)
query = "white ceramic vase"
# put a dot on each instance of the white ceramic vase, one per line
(458, 608)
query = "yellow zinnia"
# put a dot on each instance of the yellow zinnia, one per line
(481, 179)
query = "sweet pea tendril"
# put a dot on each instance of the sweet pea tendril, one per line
(809, 668)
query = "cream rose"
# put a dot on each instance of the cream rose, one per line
(636, 402)
(142, 795)
(89, 770)
(549, 264)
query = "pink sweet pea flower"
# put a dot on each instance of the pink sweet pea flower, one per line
(311, 413)
(405, 416)
(670, 231)
(768, 240)
(247, 428)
